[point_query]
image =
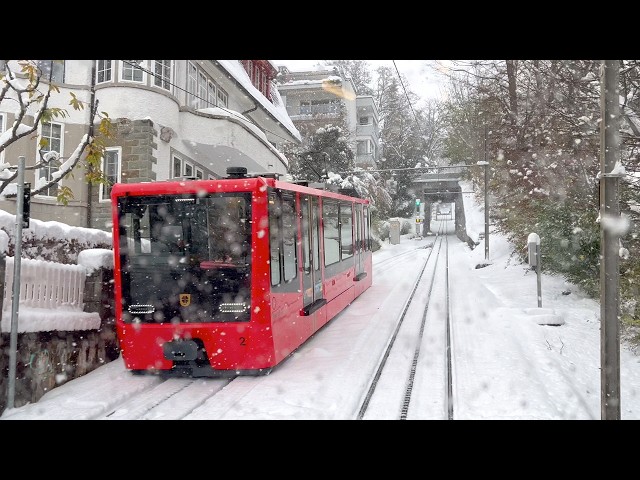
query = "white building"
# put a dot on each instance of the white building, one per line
(316, 98)
(174, 118)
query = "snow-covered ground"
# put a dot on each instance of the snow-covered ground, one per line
(509, 363)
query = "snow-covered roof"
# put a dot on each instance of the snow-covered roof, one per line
(279, 112)
(314, 81)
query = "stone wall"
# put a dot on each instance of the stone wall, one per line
(137, 138)
(46, 360)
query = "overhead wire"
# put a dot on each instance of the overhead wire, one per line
(405, 92)
(410, 104)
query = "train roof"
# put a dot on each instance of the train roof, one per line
(237, 179)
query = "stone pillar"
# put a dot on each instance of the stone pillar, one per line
(137, 139)
(99, 297)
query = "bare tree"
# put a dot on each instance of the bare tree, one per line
(358, 71)
(32, 96)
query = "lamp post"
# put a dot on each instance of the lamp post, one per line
(486, 206)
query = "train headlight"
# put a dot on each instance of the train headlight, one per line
(232, 307)
(141, 309)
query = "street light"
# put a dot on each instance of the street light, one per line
(486, 207)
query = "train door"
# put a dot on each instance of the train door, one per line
(312, 276)
(359, 243)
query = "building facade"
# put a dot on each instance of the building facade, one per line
(173, 118)
(316, 98)
(368, 151)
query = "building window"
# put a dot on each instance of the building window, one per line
(192, 84)
(249, 69)
(211, 94)
(177, 167)
(364, 120)
(103, 71)
(319, 107)
(223, 98)
(163, 69)
(258, 78)
(51, 141)
(363, 147)
(131, 71)
(203, 92)
(182, 168)
(111, 171)
(55, 68)
(202, 101)
(258, 74)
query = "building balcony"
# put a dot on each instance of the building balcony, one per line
(365, 160)
(214, 138)
(368, 130)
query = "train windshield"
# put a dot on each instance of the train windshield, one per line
(185, 258)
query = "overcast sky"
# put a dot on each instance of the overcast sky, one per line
(421, 74)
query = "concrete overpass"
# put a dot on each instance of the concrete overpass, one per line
(432, 188)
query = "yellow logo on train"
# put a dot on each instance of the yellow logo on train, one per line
(185, 299)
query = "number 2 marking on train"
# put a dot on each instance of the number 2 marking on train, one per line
(243, 341)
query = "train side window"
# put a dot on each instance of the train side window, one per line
(331, 232)
(275, 211)
(282, 238)
(305, 200)
(358, 229)
(346, 231)
(367, 244)
(289, 236)
(315, 228)
(310, 232)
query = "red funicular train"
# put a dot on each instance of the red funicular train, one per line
(230, 276)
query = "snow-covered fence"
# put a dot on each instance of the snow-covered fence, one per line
(51, 297)
(58, 340)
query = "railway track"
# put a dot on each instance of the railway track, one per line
(419, 349)
(170, 399)
(160, 399)
(424, 317)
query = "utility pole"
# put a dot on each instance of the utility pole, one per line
(15, 297)
(609, 241)
(486, 197)
(486, 210)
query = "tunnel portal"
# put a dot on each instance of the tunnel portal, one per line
(436, 188)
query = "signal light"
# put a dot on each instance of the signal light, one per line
(417, 202)
(26, 204)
